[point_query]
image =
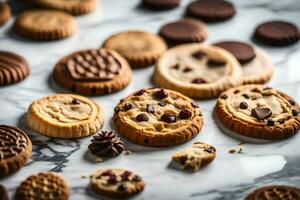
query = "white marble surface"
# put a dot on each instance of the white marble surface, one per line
(230, 176)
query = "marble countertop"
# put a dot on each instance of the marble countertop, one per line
(229, 177)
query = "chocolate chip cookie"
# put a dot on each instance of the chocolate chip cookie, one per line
(258, 111)
(5, 13)
(158, 117)
(275, 192)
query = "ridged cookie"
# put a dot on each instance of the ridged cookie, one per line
(158, 117)
(5, 13)
(258, 111)
(275, 192)
(65, 116)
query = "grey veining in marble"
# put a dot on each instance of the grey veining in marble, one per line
(229, 177)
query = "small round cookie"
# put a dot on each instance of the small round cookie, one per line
(5, 13)
(256, 64)
(43, 186)
(160, 5)
(65, 116)
(45, 25)
(198, 71)
(195, 157)
(15, 149)
(117, 183)
(258, 111)
(211, 10)
(183, 31)
(277, 33)
(275, 192)
(93, 72)
(158, 117)
(140, 48)
(13, 68)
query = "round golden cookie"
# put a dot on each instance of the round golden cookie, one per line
(65, 116)
(158, 117)
(197, 71)
(117, 183)
(45, 25)
(93, 72)
(258, 111)
(275, 192)
(140, 48)
(43, 186)
(5, 13)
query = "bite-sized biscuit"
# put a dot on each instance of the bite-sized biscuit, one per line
(115, 182)
(45, 25)
(5, 13)
(13, 68)
(65, 116)
(195, 157)
(43, 186)
(256, 64)
(198, 71)
(258, 111)
(160, 5)
(275, 192)
(93, 72)
(140, 48)
(15, 149)
(158, 117)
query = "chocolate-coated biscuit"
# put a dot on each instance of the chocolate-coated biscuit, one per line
(160, 5)
(275, 192)
(5, 13)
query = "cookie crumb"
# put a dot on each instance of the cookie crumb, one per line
(99, 160)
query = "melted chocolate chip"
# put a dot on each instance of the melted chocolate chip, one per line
(261, 113)
(224, 96)
(168, 118)
(161, 94)
(199, 81)
(150, 108)
(128, 106)
(75, 101)
(142, 117)
(215, 62)
(122, 187)
(176, 66)
(194, 105)
(185, 114)
(270, 122)
(140, 93)
(117, 109)
(108, 173)
(255, 90)
(210, 149)
(137, 178)
(236, 91)
(187, 69)
(246, 96)
(162, 103)
(112, 179)
(281, 121)
(199, 54)
(243, 105)
(295, 112)
(183, 159)
(125, 175)
(292, 102)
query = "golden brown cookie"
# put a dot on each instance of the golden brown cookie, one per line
(15, 149)
(43, 186)
(158, 117)
(93, 72)
(275, 192)
(5, 13)
(13, 68)
(195, 157)
(45, 25)
(197, 71)
(140, 48)
(115, 182)
(65, 116)
(258, 111)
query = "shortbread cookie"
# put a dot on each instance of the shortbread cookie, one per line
(15, 149)
(256, 64)
(74, 7)
(141, 49)
(258, 111)
(160, 5)
(195, 157)
(158, 117)
(118, 183)
(45, 25)
(198, 71)
(65, 116)
(43, 186)
(93, 72)
(13, 68)
(5, 13)
(183, 31)
(275, 192)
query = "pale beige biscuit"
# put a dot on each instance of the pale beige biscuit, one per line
(195, 157)
(258, 111)
(45, 25)
(158, 117)
(116, 182)
(197, 71)
(140, 48)
(65, 116)
(5, 13)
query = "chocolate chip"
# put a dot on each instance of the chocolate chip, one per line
(210, 149)
(199, 81)
(140, 93)
(75, 101)
(295, 112)
(125, 175)
(161, 94)
(236, 91)
(215, 62)
(281, 121)
(183, 159)
(224, 96)
(108, 173)
(112, 179)
(199, 54)
(246, 96)
(261, 113)
(117, 109)
(142, 117)
(162, 103)
(150, 108)
(194, 105)
(137, 178)
(243, 105)
(187, 69)
(185, 114)
(255, 90)
(176, 66)
(270, 122)
(128, 106)
(168, 118)
(292, 102)
(122, 187)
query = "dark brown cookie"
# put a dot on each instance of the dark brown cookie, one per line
(211, 10)
(160, 4)
(183, 31)
(3, 193)
(13, 68)
(5, 13)
(277, 33)
(243, 52)
(275, 192)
